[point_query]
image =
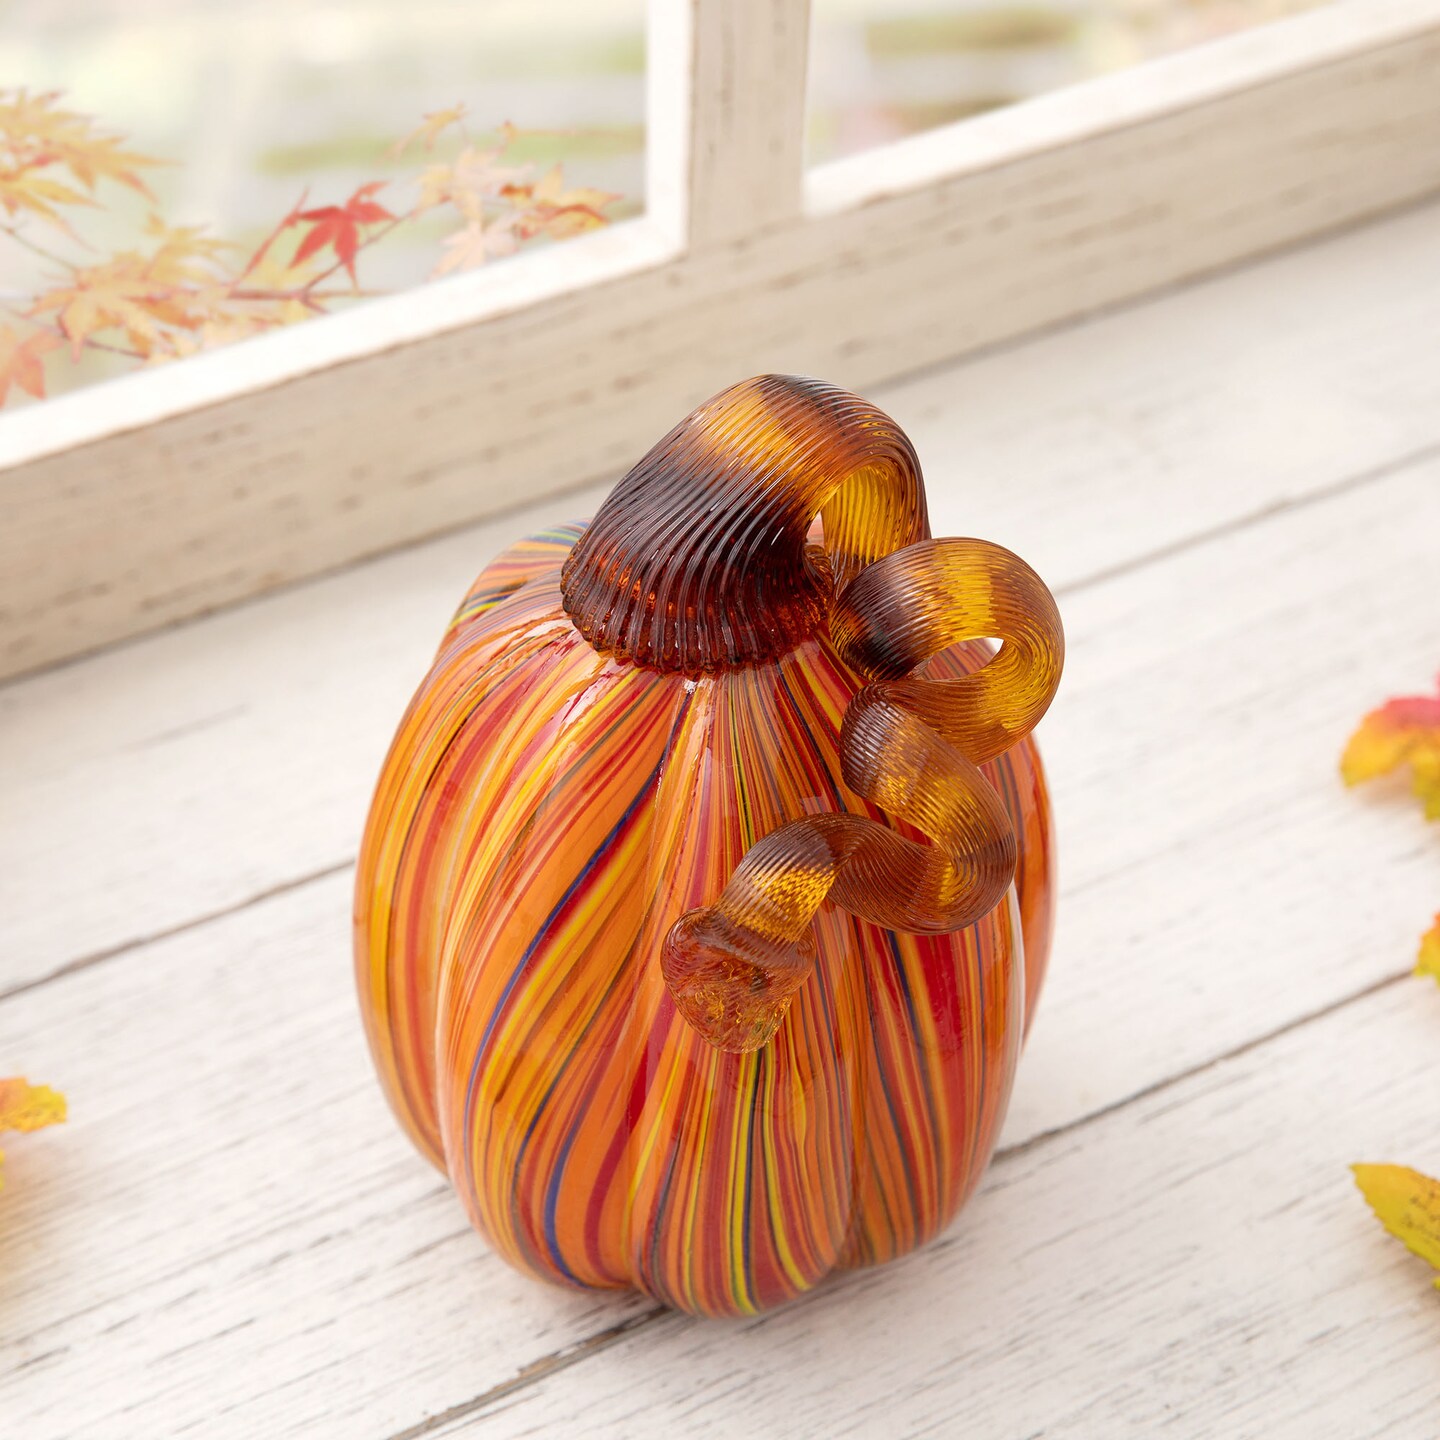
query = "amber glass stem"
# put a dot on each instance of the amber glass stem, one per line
(699, 560)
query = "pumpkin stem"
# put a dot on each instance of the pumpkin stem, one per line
(699, 557)
(911, 745)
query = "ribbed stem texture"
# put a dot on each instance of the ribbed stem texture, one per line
(699, 558)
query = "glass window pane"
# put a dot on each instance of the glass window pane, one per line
(883, 69)
(285, 121)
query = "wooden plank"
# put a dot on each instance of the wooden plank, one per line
(160, 496)
(232, 1217)
(1259, 388)
(232, 1236)
(1198, 1264)
(1218, 881)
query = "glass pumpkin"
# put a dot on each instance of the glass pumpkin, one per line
(708, 884)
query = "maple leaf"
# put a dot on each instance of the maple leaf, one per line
(227, 329)
(185, 292)
(25, 1107)
(338, 226)
(1427, 962)
(21, 362)
(474, 180)
(119, 294)
(477, 243)
(472, 183)
(1403, 730)
(480, 172)
(23, 190)
(185, 254)
(37, 138)
(430, 129)
(550, 190)
(272, 293)
(548, 208)
(437, 187)
(1407, 1204)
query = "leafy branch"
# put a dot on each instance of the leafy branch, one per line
(179, 290)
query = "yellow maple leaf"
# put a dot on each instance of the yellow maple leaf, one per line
(548, 208)
(430, 129)
(1427, 962)
(230, 328)
(182, 284)
(185, 254)
(437, 184)
(550, 190)
(24, 190)
(1407, 1204)
(39, 139)
(292, 312)
(274, 274)
(24, 1107)
(100, 298)
(36, 122)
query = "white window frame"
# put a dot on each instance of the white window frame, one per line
(167, 493)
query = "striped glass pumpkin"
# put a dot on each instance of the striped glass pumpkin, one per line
(707, 888)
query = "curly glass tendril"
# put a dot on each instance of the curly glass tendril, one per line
(699, 559)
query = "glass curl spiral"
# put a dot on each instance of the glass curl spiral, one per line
(708, 884)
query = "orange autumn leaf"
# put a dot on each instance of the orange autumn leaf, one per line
(561, 212)
(338, 226)
(1407, 1204)
(24, 1107)
(21, 361)
(1404, 730)
(1427, 962)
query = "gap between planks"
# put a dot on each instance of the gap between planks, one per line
(1131, 565)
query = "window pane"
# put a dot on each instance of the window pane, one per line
(284, 120)
(883, 69)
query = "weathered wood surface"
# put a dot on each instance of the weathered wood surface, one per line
(1198, 1264)
(297, 453)
(1085, 450)
(1237, 490)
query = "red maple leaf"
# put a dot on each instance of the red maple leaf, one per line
(339, 226)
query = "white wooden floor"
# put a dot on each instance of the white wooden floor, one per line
(1235, 490)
